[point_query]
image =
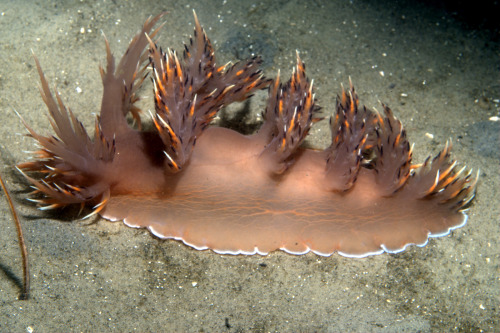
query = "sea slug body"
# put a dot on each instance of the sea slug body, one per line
(214, 188)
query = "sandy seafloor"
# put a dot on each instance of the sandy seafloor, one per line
(440, 76)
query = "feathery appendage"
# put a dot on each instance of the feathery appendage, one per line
(72, 164)
(351, 127)
(190, 92)
(441, 180)
(289, 115)
(70, 161)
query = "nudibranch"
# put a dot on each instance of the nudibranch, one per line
(214, 188)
